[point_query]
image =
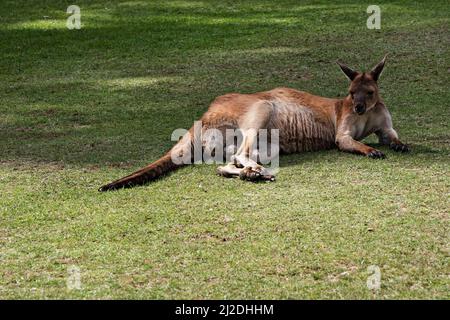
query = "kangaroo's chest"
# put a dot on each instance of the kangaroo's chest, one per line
(362, 126)
(360, 130)
(301, 128)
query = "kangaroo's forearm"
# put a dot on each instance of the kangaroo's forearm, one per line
(348, 144)
(387, 136)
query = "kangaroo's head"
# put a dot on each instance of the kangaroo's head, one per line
(363, 90)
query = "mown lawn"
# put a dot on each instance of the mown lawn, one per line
(82, 107)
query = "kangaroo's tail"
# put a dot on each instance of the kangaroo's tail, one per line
(154, 170)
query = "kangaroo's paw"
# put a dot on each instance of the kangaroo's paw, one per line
(399, 147)
(376, 154)
(256, 173)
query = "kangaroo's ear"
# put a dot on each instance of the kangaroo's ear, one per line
(376, 71)
(351, 74)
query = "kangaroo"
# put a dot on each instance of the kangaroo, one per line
(305, 122)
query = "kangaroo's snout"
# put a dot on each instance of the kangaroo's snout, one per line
(360, 108)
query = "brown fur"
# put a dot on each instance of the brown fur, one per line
(306, 123)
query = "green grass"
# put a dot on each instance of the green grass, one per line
(80, 108)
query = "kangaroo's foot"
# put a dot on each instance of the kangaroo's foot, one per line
(229, 171)
(255, 173)
(249, 173)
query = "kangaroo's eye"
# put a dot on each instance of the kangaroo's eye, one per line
(370, 93)
(352, 93)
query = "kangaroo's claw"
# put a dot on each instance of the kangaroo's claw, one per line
(399, 147)
(376, 154)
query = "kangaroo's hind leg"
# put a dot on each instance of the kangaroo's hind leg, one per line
(251, 169)
(244, 162)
